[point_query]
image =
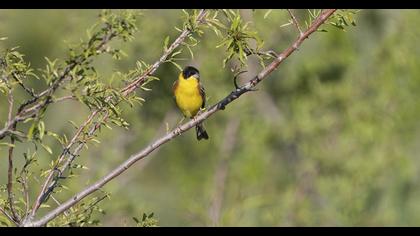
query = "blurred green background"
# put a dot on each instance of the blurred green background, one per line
(330, 139)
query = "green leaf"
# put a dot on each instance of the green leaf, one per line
(74, 124)
(44, 206)
(176, 64)
(41, 128)
(48, 149)
(166, 43)
(31, 131)
(176, 53)
(267, 13)
(7, 144)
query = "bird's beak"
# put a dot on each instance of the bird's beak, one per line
(197, 76)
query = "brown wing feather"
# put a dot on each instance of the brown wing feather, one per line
(202, 93)
(174, 87)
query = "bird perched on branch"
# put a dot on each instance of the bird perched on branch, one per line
(190, 96)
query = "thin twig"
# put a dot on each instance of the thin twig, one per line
(28, 90)
(26, 194)
(96, 202)
(10, 182)
(58, 204)
(10, 166)
(60, 99)
(295, 22)
(325, 14)
(23, 180)
(10, 100)
(8, 216)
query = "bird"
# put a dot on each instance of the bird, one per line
(190, 96)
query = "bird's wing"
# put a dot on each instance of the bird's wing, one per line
(174, 86)
(202, 94)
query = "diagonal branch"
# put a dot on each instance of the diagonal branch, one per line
(325, 14)
(49, 183)
(8, 216)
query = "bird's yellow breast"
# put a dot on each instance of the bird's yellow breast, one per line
(187, 96)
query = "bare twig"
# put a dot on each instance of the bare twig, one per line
(10, 100)
(10, 182)
(295, 22)
(58, 204)
(10, 166)
(28, 90)
(95, 203)
(222, 171)
(325, 14)
(26, 194)
(60, 99)
(8, 216)
(45, 191)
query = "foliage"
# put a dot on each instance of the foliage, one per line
(146, 220)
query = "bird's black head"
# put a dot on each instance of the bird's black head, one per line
(190, 71)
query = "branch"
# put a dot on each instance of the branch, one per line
(19, 81)
(66, 150)
(10, 166)
(10, 182)
(295, 22)
(48, 187)
(183, 128)
(60, 99)
(26, 194)
(10, 100)
(8, 216)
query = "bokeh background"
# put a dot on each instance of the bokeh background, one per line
(332, 138)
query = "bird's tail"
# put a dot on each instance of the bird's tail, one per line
(201, 132)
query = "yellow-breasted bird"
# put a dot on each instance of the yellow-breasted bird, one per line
(190, 96)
